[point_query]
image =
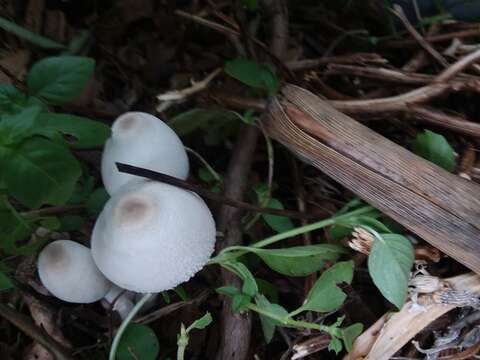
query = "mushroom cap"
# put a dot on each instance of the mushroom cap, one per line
(67, 270)
(151, 237)
(142, 140)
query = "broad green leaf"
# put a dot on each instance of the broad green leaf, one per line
(253, 74)
(82, 133)
(204, 119)
(17, 127)
(138, 342)
(269, 324)
(30, 36)
(228, 291)
(350, 333)
(389, 264)
(250, 286)
(278, 223)
(5, 282)
(14, 229)
(9, 96)
(97, 200)
(201, 323)
(60, 79)
(325, 295)
(299, 260)
(240, 301)
(39, 172)
(267, 289)
(435, 148)
(335, 345)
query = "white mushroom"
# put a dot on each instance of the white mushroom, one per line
(68, 271)
(121, 299)
(143, 140)
(151, 237)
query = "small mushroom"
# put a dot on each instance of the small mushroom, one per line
(68, 271)
(142, 140)
(151, 237)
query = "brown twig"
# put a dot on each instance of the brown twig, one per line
(25, 324)
(439, 118)
(380, 74)
(394, 103)
(207, 23)
(167, 179)
(357, 58)
(53, 210)
(398, 11)
(433, 39)
(458, 66)
(235, 327)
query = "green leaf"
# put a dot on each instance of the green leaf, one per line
(269, 324)
(350, 333)
(435, 148)
(201, 323)
(278, 223)
(389, 264)
(268, 289)
(228, 291)
(325, 295)
(28, 35)
(138, 342)
(253, 74)
(14, 229)
(17, 127)
(59, 79)
(9, 96)
(82, 133)
(181, 293)
(240, 301)
(5, 282)
(39, 172)
(335, 345)
(250, 286)
(299, 260)
(97, 200)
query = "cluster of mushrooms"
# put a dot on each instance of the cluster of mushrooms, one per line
(150, 236)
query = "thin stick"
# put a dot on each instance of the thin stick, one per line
(398, 11)
(153, 175)
(29, 328)
(54, 210)
(439, 118)
(458, 66)
(207, 23)
(434, 38)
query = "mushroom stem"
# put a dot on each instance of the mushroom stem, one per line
(118, 336)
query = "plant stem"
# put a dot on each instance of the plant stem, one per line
(294, 232)
(182, 343)
(125, 323)
(290, 322)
